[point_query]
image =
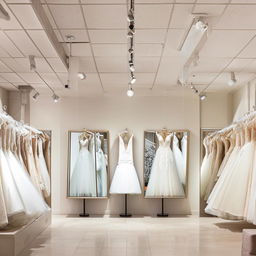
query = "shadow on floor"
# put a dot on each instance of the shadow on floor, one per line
(235, 226)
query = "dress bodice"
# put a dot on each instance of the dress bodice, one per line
(84, 144)
(98, 143)
(125, 153)
(164, 143)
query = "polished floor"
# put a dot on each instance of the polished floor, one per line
(145, 236)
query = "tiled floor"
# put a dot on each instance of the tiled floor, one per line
(174, 236)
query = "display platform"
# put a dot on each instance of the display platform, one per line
(13, 242)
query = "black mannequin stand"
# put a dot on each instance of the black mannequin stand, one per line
(162, 214)
(84, 214)
(125, 214)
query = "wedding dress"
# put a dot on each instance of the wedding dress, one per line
(125, 179)
(164, 179)
(83, 179)
(184, 146)
(179, 160)
(101, 169)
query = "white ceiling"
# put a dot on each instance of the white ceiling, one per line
(100, 48)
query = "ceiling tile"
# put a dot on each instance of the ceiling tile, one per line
(8, 86)
(238, 65)
(186, 1)
(106, 16)
(58, 35)
(42, 42)
(210, 9)
(9, 46)
(201, 78)
(238, 17)
(80, 50)
(249, 51)
(2, 80)
(63, 77)
(4, 68)
(67, 16)
(152, 50)
(62, 1)
(103, 1)
(79, 34)
(31, 77)
(244, 1)
(57, 64)
(150, 35)
(109, 36)
(11, 77)
(86, 65)
(26, 15)
(23, 42)
(213, 1)
(110, 50)
(146, 64)
(154, 1)
(49, 16)
(145, 13)
(112, 64)
(9, 24)
(3, 53)
(174, 39)
(181, 17)
(220, 41)
(52, 80)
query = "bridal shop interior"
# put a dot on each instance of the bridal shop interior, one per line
(127, 127)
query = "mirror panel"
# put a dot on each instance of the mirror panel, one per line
(165, 164)
(88, 164)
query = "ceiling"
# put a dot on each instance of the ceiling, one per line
(100, 46)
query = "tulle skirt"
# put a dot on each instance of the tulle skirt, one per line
(101, 173)
(125, 180)
(206, 170)
(83, 179)
(164, 179)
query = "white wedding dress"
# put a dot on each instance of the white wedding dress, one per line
(125, 180)
(164, 179)
(179, 160)
(101, 169)
(83, 179)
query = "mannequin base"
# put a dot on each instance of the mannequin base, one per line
(162, 215)
(125, 215)
(84, 215)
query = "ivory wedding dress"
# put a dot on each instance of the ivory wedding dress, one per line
(125, 180)
(101, 169)
(179, 160)
(164, 179)
(83, 179)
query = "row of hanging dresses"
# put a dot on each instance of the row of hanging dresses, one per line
(228, 174)
(21, 195)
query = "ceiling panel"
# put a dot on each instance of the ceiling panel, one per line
(7, 86)
(213, 1)
(63, 77)
(80, 50)
(238, 17)
(106, 16)
(109, 36)
(9, 46)
(9, 24)
(181, 17)
(110, 49)
(26, 15)
(31, 78)
(79, 34)
(11, 77)
(210, 9)
(112, 64)
(237, 65)
(201, 78)
(42, 42)
(67, 16)
(174, 39)
(148, 49)
(146, 64)
(23, 42)
(249, 51)
(4, 68)
(52, 80)
(220, 41)
(49, 16)
(57, 65)
(62, 1)
(103, 1)
(86, 65)
(150, 35)
(145, 16)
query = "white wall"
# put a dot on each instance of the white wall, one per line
(115, 114)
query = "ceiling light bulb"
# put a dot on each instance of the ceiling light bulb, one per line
(130, 92)
(203, 97)
(32, 62)
(133, 80)
(55, 98)
(200, 25)
(3, 13)
(130, 16)
(81, 75)
(35, 96)
(233, 80)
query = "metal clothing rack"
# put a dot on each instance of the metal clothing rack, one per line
(125, 214)
(162, 214)
(84, 214)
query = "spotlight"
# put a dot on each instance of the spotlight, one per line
(130, 16)
(131, 26)
(129, 34)
(32, 62)
(133, 79)
(55, 98)
(131, 66)
(130, 50)
(233, 80)
(130, 92)
(203, 97)
(200, 25)
(194, 89)
(81, 75)
(3, 13)
(35, 96)
(67, 86)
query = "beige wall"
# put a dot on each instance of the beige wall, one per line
(3, 98)
(114, 114)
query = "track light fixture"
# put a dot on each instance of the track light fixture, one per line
(130, 91)
(81, 75)
(35, 96)
(232, 80)
(130, 16)
(203, 97)
(3, 13)
(201, 25)
(194, 89)
(32, 62)
(55, 97)
(131, 66)
(133, 78)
